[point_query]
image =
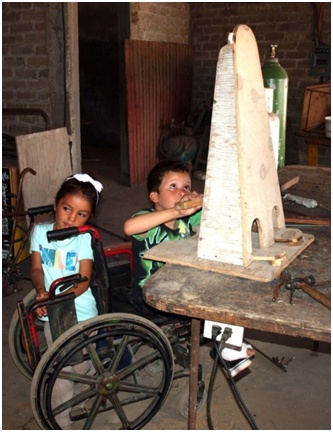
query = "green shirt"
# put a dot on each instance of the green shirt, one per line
(143, 268)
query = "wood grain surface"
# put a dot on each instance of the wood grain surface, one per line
(48, 154)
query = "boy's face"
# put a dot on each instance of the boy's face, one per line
(173, 187)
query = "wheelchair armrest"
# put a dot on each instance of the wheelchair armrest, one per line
(65, 282)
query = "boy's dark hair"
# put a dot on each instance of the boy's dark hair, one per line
(157, 174)
(72, 186)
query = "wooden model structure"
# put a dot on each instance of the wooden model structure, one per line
(242, 189)
(242, 185)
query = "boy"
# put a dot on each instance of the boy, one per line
(168, 183)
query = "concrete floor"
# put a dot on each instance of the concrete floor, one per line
(299, 399)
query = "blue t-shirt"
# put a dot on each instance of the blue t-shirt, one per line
(62, 258)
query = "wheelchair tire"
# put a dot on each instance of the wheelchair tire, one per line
(16, 347)
(119, 393)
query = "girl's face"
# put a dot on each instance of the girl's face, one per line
(173, 187)
(72, 211)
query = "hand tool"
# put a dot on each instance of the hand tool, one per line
(307, 202)
(305, 284)
(285, 277)
(184, 205)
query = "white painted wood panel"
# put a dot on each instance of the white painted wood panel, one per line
(47, 153)
(241, 180)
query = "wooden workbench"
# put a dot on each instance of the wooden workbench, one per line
(207, 295)
(248, 303)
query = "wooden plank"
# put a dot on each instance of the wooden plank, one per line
(72, 82)
(48, 154)
(289, 183)
(308, 221)
(183, 252)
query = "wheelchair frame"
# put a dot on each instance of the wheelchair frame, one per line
(118, 388)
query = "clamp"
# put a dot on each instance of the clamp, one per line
(306, 284)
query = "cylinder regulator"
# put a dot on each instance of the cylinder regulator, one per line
(276, 89)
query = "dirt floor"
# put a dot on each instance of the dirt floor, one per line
(298, 399)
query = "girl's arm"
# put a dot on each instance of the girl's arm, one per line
(85, 269)
(37, 277)
(37, 274)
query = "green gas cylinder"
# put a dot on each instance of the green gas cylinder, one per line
(276, 89)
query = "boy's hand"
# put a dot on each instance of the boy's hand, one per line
(192, 202)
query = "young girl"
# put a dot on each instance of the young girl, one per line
(75, 202)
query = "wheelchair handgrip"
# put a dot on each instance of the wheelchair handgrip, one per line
(65, 233)
(62, 234)
(40, 210)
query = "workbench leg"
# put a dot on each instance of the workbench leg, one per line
(312, 154)
(193, 391)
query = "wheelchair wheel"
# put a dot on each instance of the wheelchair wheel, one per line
(116, 392)
(16, 347)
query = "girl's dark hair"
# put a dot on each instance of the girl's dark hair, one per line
(157, 174)
(72, 186)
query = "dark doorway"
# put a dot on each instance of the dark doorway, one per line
(102, 28)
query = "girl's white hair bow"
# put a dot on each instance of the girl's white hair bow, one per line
(86, 178)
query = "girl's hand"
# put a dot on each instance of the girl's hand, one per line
(41, 296)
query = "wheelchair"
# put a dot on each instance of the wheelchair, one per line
(133, 360)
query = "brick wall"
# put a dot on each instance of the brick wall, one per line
(33, 40)
(288, 25)
(32, 64)
(160, 21)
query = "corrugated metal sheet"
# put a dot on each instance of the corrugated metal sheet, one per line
(158, 90)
